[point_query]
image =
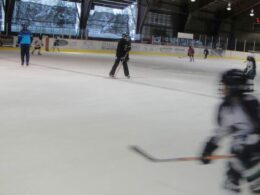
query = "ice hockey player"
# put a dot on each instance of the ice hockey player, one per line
(238, 117)
(250, 70)
(56, 44)
(122, 54)
(25, 40)
(206, 53)
(191, 53)
(37, 45)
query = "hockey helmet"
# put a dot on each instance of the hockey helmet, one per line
(125, 35)
(250, 57)
(25, 25)
(236, 81)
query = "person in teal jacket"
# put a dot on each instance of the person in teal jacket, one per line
(25, 40)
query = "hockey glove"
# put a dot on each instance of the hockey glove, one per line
(208, 150)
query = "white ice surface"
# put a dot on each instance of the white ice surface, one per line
(66, 127)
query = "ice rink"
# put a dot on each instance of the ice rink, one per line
(66, 127)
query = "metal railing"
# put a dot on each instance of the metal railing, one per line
(211, 42)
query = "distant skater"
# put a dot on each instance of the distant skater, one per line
(37, 45)
(206, 53)
(25, 40)
(250, 70)
(191, 53)
(56, 44)
(122, 55)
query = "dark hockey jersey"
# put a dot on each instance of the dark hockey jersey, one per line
(123, 48)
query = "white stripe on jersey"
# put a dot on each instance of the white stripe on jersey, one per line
(235, 122)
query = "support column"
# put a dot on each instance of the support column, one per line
(85, 9)
(9, 9)
(143, 8)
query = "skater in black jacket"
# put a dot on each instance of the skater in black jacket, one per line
(122, 54)
(206, 53)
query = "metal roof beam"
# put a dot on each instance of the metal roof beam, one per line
(198, 5)
(114, 4)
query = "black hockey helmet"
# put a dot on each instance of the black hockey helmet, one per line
(25, 25)
(125, 35)
(236, 81)
(250, 57)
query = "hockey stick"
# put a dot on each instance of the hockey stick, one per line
(147, 156)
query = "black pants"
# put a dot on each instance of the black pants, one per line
(113, 70)
(232, 182)
(25, 51)
(245, 166)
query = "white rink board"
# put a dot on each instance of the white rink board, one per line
(142, 48)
